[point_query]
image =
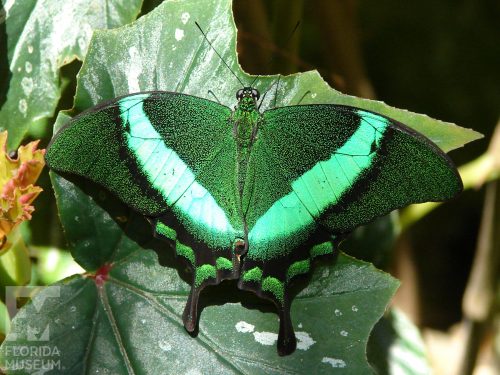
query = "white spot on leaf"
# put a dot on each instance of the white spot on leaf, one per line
(134, 70)
(304, 340)
(300, 325)
(165, 345)
(354, 308)
(185, 17)
(30, 49)
(179, 34)
(27, 85)
(28, 67)
(265, 338)
(338, 312)
(244, 327)
(344, 333)
(336, 363)
(23, 106)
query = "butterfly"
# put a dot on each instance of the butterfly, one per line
(248, 195)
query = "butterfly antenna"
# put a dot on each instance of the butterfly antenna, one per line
(265, 93)
(279, 75)
(210, 92)
(220, 57)
(303, 96)
(271, 58)
(276, 91)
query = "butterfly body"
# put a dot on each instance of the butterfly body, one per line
(249, 195)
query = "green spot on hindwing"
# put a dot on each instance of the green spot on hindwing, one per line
(165, 231)
(324, 248)
(298, 268)
(223, 264)
(274, 286)
(255, 275)
(186, 252)
(204, 272)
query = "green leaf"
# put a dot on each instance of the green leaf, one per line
(15, 263)
(54, 264)
(136, 314)
(132, 321)
(4, 321)
(42, 36)
(133, 325)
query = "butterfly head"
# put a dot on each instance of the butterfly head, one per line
(247, 98)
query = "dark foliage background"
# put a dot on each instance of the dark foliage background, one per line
(438, 58)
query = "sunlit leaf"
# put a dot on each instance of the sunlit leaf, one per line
(42, 36)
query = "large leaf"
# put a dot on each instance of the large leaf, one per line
(42, 36)
(131, 321)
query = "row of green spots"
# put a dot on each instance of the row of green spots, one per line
(298, 268)
(223, 264)
(274, 286)
(255, 274)
(165, 231)
(204, 272)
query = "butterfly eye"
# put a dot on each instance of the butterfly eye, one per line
(239, 94)
(255, 94)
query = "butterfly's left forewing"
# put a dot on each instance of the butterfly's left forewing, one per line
(326, 169)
